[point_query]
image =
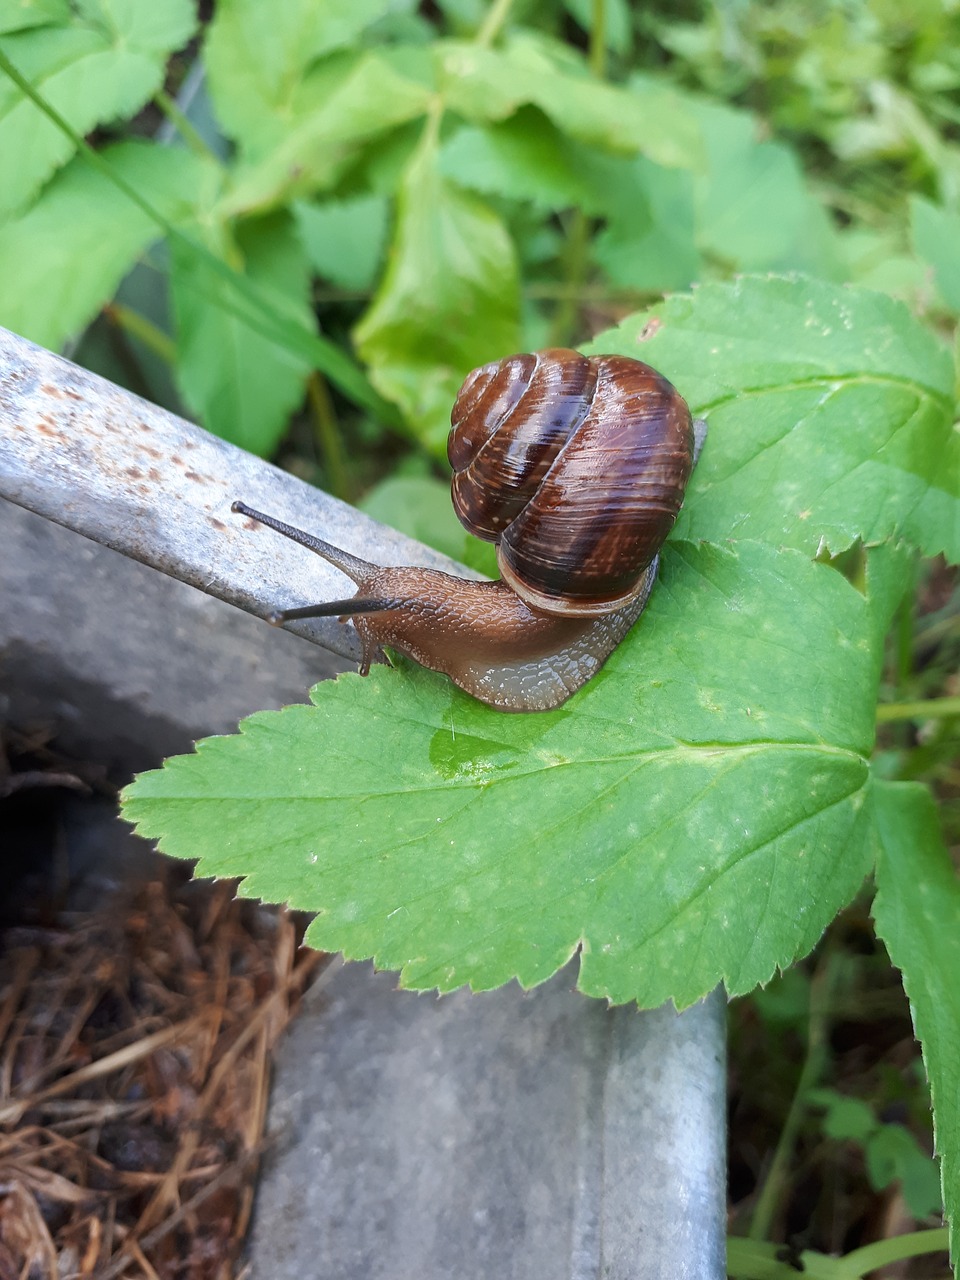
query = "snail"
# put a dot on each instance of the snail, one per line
(576, 467)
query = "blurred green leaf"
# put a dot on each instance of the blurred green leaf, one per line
(831, 414)
(523, 158)
(355, 99)
(845, 1117)
(893, 1155)
(917, 915)
(935, 234)
(785, 1002)
(649, 241)
(649, 119)
(344, 239)
(259, 58)
(753, 208)
(20, 15)
(103, 63)
(420, 507)
(63, 259)
(449, 299)
(242, 385)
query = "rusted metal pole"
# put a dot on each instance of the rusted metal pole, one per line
(104, 463)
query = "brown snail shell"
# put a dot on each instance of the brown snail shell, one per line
(576, 467)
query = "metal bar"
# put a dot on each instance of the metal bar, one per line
(104, 463)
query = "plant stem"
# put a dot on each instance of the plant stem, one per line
(328, 435)
(597, 55)
(905, 638)
(577, 252)
(822, 988)
(911, 1245)
(757, 1260)
(492, 24)
(183, 126)
(575, 260)
(931, 709)
(138, 326)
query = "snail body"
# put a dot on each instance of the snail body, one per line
(575, 466)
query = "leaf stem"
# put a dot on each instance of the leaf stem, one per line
(328, 437)
(577, 253)
(905, 629)
(910, 1245)
(822, 988)
(492, 24)
(759, 1260)
(575, 261)
(138, 326)
(183, 126)
(930, 709)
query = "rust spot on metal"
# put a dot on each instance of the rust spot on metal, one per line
(252, 525)
(134, 473)
(155, 475)
(49, 390)
(177, 461)
(149, 449)
(192, 475)
(73, 395)
(217, 524)
(46, 428)
(144, 426)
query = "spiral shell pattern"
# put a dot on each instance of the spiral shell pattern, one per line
(576, 467)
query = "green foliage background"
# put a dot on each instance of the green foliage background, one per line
(305, 223)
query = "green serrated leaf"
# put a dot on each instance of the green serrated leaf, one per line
(647, 118)
(831, 413)
(917, 914)
(696, 814)
(102, 64)
(449, 300)
(242, 385)
(63, 259)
